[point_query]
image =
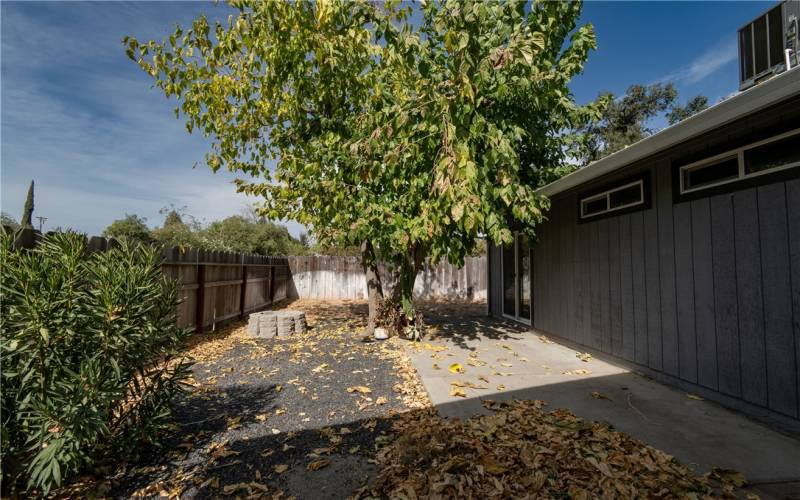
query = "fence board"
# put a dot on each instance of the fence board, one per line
(335, 277)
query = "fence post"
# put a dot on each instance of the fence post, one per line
(271, 284)
(201, 298)
(243, 295)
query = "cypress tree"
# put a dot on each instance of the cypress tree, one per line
(27, 212)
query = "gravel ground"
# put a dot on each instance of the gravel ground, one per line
(273, 418)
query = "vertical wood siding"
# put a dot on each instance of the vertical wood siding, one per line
(705, 291)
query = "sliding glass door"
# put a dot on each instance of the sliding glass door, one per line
(524, 280)
(517, 272)
(509, 282)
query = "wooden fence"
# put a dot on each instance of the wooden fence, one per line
(328, 277)
(219, 286)
(214, 286)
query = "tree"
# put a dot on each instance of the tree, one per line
(7, 220)
(240, 234)
(131, 227)
(303, 239)
(27, 211)
(175, 232)
(409, 140)
(679, 113)
(624, 120)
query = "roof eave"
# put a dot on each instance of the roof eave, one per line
(763, 95)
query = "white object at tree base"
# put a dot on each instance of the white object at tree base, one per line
(380, 334)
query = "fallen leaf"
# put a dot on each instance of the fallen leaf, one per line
(229, 489)
(579, 371)
(583, 356)
(694, 396)
(456, 368)
(362, 389)
(318, 464)
(382, 400)
(281, 468)
(457, 391)
(491, 465)
(730, 476)
(501, 387)
(472, 385)
(598, 395)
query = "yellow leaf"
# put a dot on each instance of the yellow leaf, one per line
(362, 389)
(457, 391)
(501, 387)
(456, 368)
(281, 468)
(598, 395)
(694, 396)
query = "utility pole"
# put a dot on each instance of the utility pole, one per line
(41, 221)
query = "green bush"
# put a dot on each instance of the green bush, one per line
(91, 357)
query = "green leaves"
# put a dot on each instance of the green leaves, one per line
(91, 356)
(346, 117)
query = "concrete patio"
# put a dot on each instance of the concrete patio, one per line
(501, 360)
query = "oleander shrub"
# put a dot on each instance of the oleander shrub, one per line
(91, 358)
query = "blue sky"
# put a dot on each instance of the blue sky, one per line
(82, 120)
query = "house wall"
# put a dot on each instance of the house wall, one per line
(701, 293)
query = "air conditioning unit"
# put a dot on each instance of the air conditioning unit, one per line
(769, 43)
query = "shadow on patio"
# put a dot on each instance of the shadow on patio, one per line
(484, 358)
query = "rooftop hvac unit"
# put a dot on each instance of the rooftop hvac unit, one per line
(768, 44)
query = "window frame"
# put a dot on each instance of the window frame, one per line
(582, 201)
(738, 153)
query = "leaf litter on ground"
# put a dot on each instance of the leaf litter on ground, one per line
(521, 450)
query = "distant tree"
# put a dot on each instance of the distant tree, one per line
(175, 232)
(27, 211)
(624, 120)
(679, 113)
(7, 220)
(241, 234)
(304, 239)
(232, 234)
(131, 227)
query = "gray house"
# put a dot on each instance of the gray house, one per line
(680, 255)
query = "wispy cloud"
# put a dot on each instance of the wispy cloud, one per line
(706, 64)
(86, 124)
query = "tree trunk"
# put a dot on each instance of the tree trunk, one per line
(406, 275)
(374, 287)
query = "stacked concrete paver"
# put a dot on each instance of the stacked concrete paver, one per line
(270, 324)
